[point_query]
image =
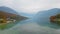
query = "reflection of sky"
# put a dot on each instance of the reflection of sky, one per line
(30, 7)
(30, 28)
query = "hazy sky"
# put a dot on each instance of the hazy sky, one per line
(31, 6)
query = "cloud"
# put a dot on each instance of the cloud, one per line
(34, 6)
(31, 6)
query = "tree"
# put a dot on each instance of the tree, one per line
(58, 15)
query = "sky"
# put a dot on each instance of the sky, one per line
(30, 6)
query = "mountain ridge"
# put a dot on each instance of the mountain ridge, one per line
(7, 9)
(43, 18)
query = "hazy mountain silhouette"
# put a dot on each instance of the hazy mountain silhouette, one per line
(9, 10)
(6, 9)
(43, 17)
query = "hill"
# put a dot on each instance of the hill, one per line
(9, 17)
(43, 17)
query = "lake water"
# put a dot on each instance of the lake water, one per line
(31, 26)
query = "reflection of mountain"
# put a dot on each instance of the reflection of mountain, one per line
(43, 17)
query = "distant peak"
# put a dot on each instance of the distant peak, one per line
(3, 7)
(55, 9)
(7, 9)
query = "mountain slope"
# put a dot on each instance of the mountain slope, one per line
(8, 17)
(43, 17)
(9, 10)
(6, 9)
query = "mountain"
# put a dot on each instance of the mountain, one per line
(6, 15)
(27, 15)
(9, 17)
(43, 17)
(7, 9)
